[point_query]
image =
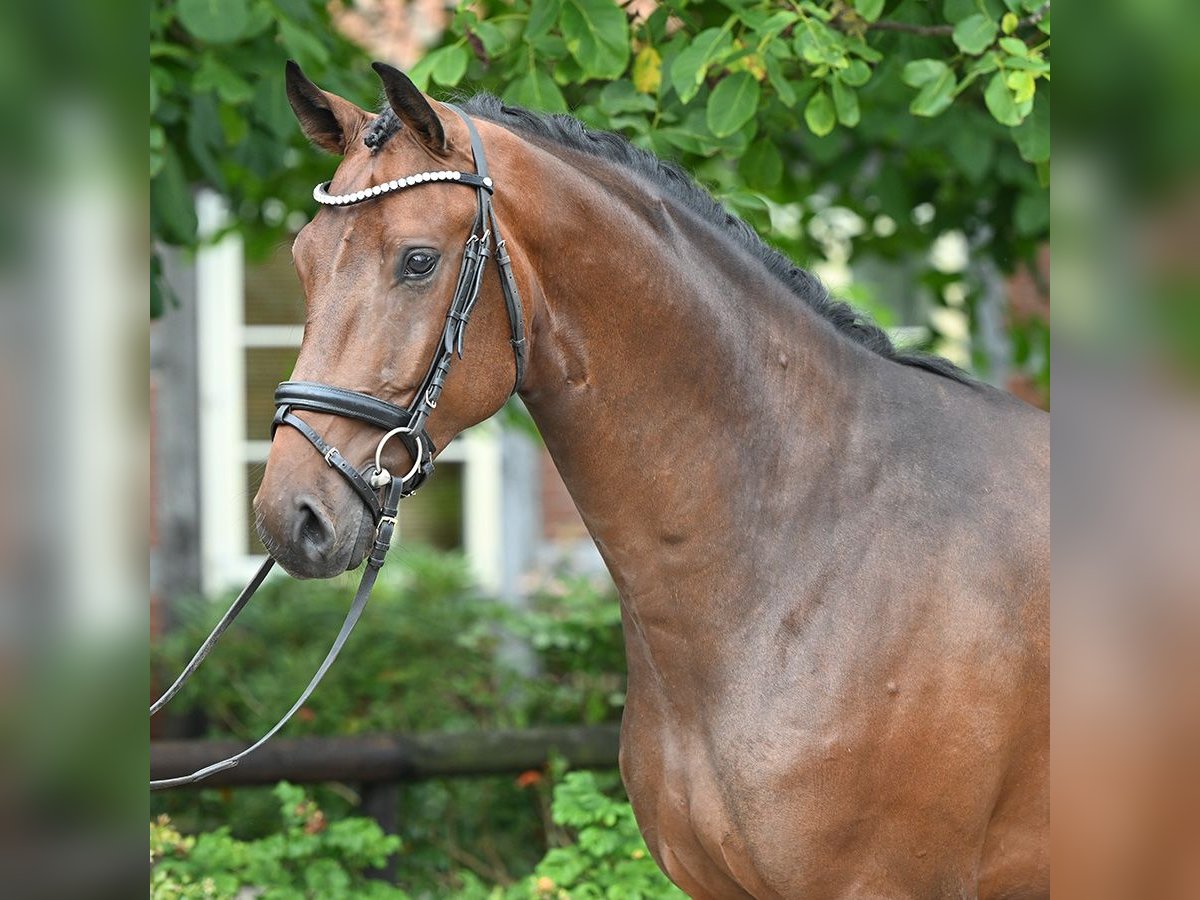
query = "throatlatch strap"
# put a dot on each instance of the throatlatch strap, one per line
(512, 300)
(508, 282)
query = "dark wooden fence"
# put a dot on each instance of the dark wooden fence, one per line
(392, 758)
(381, 763)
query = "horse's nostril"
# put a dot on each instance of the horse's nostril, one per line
(314, 533)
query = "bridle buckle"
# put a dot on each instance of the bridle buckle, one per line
(328, 454)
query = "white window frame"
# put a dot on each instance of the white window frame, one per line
(223, 338)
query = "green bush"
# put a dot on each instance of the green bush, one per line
(608, 858)
(601, 855)
(309, 857)
(856, 130)
(424, 658)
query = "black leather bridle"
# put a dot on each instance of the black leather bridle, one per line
(379, 490)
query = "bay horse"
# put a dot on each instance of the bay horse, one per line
(832, 558)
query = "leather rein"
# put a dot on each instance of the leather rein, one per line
(378, 488)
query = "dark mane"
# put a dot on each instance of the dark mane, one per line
(569, 132)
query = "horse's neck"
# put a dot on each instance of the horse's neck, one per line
(675, 382)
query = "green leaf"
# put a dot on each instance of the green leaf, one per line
(537, 90)
(690, 66)
(301, 44)
(856, 74)
(622, 97)
(999, 101)
(972, 149)
(492, 36)
(761, 165)
(597, 35)
(975, 34)
(1032, 136)
(770, 28)
(450, 66)
(234, 125)
(845, 101)
(732, 103)
(1037, 65)
(935, 97)
(1008, 24)
(922, 71)
(213, 75)
(783, 87)
(819, 45)
(956, 10)
(861, 49)
(682, 137)
(1022, 85)
(215, 21)
(421, 71)
(1014, 46)
(1031, 215)
(158, 140)
(171, 203)
(160, 50)
(819, 114)
(869, 9)
(542, 16)
(206, 137)
(271, 107)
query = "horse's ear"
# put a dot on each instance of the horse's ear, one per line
(328, 120)
(411, 107)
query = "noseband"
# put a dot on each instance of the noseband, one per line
(379, 489)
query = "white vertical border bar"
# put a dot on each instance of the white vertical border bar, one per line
(222, 380)
(483, 499)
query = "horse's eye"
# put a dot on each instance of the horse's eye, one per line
(419, 263)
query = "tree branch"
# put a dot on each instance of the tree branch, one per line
(909, 28)
(946, 30)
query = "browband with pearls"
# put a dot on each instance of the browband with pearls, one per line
(321, 191)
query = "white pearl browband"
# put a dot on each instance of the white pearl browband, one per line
(322, 195)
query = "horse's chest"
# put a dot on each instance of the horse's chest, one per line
(681, 794)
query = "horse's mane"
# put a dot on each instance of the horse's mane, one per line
(569, 132)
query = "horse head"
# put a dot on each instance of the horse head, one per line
(382, 268)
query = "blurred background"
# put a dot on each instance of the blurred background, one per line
(899, 149)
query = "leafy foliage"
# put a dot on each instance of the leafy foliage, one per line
(601, 855)
(898, 121)
(906, 119)
(425, 654)
(309, 857)
(219, 115)
(608, 858)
